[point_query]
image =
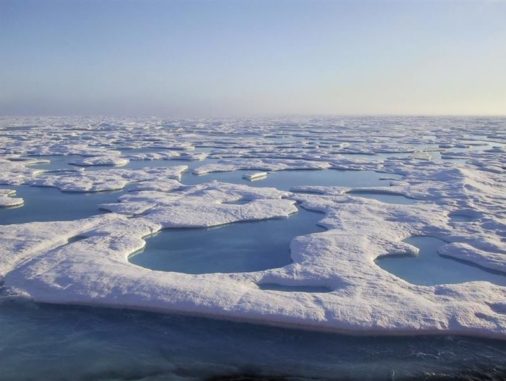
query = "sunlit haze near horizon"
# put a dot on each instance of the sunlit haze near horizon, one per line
(248, 58)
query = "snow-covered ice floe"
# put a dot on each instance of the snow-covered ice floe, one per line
(256, 176)
(333, 282)
(110, 160)
(8, 199)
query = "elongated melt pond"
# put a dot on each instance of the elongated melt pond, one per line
(285, 180)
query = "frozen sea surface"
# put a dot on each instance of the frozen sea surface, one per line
(178, 200)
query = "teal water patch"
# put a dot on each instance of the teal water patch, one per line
(50, 204)
(429, 268)
(285, 180)
(237, 247)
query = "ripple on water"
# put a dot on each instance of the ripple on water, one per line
(100, 344)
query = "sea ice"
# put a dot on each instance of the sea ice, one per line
(333, 282)
(7, 198)
(111, 160)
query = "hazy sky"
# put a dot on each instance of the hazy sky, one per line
(248, 57)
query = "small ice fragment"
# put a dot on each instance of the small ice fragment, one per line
(255, 176)
(421, 155)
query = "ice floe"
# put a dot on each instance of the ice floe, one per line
(333, 283)
(111, 160)
(104, 180)
(8, 199)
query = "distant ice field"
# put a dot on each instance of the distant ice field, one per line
(356, 226)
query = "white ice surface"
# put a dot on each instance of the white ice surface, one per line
(103, 160)
(261, 165)
(8, 199)
(38, 261)
(104, 180)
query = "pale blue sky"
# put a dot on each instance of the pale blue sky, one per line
(252, 57)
